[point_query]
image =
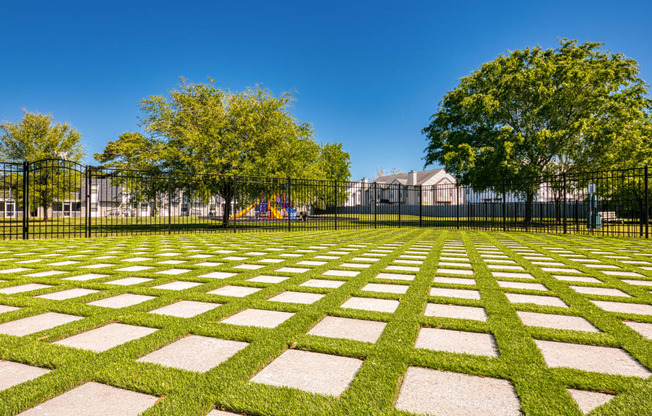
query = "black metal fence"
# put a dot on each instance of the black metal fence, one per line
(58, 198)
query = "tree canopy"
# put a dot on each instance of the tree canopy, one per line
(201, 129)
(199, 132)
(538, 111)
(131, 151)
(35, 137)
(335, 163)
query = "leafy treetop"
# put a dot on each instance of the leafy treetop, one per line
(201, 129)
(36, 137)
(539, 111)
(202, 133)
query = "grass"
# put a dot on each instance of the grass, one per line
(541, 390)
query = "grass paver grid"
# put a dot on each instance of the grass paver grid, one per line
(379, 366)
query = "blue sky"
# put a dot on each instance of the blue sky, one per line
(368, 74)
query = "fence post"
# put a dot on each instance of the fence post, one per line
(457, 186)
(288, 203)
(647, 212)
(335, 188)
(88, 202)
(399, 205)
(565, 223)
(25, 200)
(169, 202)
(420, 205)
(504, 205)
(235, 192)
(375, 205)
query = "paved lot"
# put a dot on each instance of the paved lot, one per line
(326, 323)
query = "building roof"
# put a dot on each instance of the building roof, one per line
(422, 177)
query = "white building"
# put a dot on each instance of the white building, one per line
(428, 187)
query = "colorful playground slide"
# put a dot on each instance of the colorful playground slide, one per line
(274, 213)
(246, 210)
(263, 206)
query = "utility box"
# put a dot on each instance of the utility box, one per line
(594, 220)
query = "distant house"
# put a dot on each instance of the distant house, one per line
(9, 207)
(108, 199)
(428, 187)
(546, 193)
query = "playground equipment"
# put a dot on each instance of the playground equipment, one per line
(276, 208)
(274, 213)
(245, 211)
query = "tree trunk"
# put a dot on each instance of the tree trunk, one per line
(558, 210)
(227, 211)
(45, 212)
(529, 206)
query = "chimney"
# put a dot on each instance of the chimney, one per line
(412, 178)
(364, 180)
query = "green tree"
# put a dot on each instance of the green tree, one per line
(34, 139)
(624, 187)
(335, 165)
(205, 136)
(132, 151)
(524, 114)
(139, 173)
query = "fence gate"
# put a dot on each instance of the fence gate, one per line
(55, 203)
(11, 200)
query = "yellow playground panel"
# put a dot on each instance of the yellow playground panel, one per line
(270, 206)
